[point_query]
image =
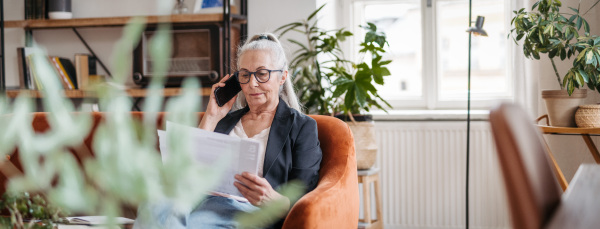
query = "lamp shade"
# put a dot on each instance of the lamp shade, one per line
(477, 30)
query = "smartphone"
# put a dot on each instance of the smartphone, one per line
(226, 93)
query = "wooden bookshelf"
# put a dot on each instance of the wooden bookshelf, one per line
(120, 21)
(79, 94)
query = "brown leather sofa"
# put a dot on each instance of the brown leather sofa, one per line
(333, 204)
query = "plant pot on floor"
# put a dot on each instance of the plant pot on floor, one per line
(363, 129)
(561, 107)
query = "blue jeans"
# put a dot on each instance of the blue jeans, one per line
(212, 212)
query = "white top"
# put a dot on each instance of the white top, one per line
(262, 137)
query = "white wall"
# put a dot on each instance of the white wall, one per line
(268, 15)
(264, 16)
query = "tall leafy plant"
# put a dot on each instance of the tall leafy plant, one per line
(328, 82)
(545, 30)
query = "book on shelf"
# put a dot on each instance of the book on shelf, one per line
(70, 69)
(29, 14)
(28, 77)
(62, 74)
(26, 80)
(24, 75)
(35, 78)
(85, 65)
(36, 9)
(39, 9)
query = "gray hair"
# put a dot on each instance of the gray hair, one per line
(268, 41)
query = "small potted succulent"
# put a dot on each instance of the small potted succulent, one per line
(329, 84)
(545, 30)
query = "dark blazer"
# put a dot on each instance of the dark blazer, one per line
(293, 150)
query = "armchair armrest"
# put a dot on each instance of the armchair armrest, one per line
(334, 203)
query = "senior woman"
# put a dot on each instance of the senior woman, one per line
(266, 110)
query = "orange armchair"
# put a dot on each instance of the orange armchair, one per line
(334, 203)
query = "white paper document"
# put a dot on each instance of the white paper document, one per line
(97, 220)
(208, 147)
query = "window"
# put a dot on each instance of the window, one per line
(429, 49)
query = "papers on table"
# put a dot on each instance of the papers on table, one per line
(209, 147)
(97, 220)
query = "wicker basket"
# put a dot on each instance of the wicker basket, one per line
(588, 116)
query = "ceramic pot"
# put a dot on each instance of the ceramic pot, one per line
(561, 107)
(363, 130)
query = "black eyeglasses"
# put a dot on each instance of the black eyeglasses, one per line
(262, 75)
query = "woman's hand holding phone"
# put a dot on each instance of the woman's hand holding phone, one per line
(214, 112)
(224, 94)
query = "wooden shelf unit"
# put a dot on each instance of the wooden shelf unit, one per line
(80, 94)
(224, 19)
(120, 21)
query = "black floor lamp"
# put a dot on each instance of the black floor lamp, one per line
(2, 71)
(477, 30)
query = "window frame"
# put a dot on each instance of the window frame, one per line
(352, 11)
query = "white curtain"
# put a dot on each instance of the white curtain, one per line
(525, 71)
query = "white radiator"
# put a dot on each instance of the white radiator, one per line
(423, 175)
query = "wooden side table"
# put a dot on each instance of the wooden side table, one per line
(366, 178)
(585, 134)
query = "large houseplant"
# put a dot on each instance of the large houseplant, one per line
(545, 30)
(329, 83)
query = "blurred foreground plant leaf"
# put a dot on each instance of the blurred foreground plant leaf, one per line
(126, 168)
(272, 211)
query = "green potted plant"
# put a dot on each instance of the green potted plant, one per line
(330, 84)
(25, 211)
(545, 30)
